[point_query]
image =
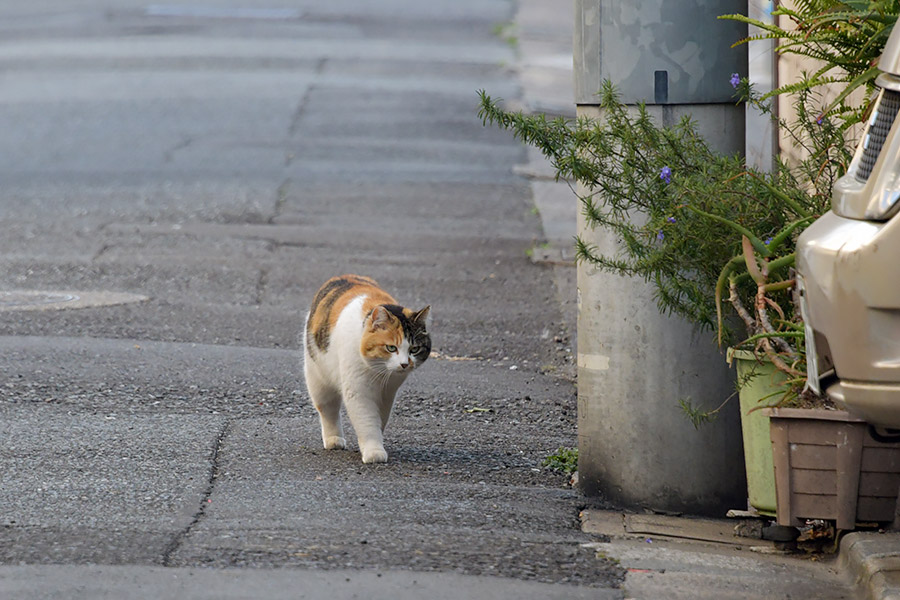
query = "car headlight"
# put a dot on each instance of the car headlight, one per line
(871, 188)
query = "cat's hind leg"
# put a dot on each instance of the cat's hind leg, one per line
(327, 402)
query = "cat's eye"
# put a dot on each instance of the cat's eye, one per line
(390, 348)
(415, 349)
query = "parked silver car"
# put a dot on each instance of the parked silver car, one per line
(848, 263)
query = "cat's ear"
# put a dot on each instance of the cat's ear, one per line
(422, 316)
(381, 318)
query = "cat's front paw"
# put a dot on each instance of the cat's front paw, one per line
(335, 443)
(374, 455)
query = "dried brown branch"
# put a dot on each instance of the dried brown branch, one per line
(762, 314)
(740, 309)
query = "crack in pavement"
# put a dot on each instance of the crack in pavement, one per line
(298, 115)
(261, 285)
(182, 535)
(280, 199)
(169, 155)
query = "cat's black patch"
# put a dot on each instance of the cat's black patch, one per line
(413, 331)
(324, 301)
(397, 311)
(423, 341)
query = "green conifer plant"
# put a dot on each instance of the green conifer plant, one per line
(714, 237)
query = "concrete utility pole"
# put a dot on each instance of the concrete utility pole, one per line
(636, 446)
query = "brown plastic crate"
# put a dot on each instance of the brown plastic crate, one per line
(827, 466)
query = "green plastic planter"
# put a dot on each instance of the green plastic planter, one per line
(758, 380)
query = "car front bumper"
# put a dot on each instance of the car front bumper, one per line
(849, 272)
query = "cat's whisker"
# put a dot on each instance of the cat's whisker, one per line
(380, 376)
(376, 374)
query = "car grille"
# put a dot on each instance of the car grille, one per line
(885, 113)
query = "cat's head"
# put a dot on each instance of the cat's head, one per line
(395, 338)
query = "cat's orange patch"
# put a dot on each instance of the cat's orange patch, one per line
(333, 297)
(374, 342)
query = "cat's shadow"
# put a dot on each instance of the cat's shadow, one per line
(424, 458)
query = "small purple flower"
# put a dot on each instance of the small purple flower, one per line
(767, 241)
(820, 120)
(670, 219)
(660, 236)
(666, 174)
(735, 80)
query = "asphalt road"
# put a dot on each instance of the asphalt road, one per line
(223, 160)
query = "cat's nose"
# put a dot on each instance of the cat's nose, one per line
(404, 365)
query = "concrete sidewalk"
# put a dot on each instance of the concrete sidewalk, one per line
(695, 558)
(681, 557)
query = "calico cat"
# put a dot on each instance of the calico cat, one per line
(359, 346)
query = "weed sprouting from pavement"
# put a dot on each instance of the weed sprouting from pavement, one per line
(564, 460)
